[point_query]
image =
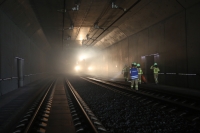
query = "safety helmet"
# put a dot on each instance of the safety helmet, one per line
(138, 65)
(134, 64)
(155, 64)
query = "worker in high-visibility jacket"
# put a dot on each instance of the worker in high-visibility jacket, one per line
(134, 76)
(155, 71)
(140, 72)
(125, 72)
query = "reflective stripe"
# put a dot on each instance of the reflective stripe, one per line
(134, 77)
(156, 70)
(140, 71)
(134, 73)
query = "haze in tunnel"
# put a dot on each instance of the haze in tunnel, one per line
(51, 36)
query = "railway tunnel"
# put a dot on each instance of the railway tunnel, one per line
(59, 57)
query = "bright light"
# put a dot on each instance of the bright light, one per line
(90, 68)
(77, 68)
(116, 65)
(82, 57)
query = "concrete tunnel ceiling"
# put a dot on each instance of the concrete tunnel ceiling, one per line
(54, 24)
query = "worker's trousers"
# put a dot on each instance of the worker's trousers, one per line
(126, 76)
(134, 81)
(156, 77)
(139, 78)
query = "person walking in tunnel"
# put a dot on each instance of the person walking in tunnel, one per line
(155, 71)
(125, 72)
(134, 76)
(140, 72)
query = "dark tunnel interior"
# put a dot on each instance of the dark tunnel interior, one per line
(92, 37)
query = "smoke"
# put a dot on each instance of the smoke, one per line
(87, 61)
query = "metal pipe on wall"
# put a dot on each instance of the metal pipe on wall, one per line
(20, 65)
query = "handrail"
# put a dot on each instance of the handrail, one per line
(10, 78)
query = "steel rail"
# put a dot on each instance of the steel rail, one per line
(183, 96)
(38, 108)
(149, 95)
(73, 92)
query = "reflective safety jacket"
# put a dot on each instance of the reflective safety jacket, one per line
(125, 69)
(140, 71)
(134, 73)
(155, 69)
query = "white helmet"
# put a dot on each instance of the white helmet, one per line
(155, 64)
(134, 64)
(138, 65)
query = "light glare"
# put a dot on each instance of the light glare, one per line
(90, 68)
(82, 57)
(77, 68)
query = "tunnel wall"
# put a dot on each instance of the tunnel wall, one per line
(15, 45)
(175, 39)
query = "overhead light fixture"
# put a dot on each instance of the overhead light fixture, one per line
(97, 27)
(88, 38)
(71, 27)
(62, 10)
(63, 29)
(76, 8)
(68, 37)
(114, 6)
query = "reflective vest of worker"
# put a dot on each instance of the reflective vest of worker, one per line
(125, 69)
(134, 73)
(155, 69)
(140, 71)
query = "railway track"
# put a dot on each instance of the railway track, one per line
(83, 117)
(187, 105)
(98, 106)
(36, 118)
(14, 108)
